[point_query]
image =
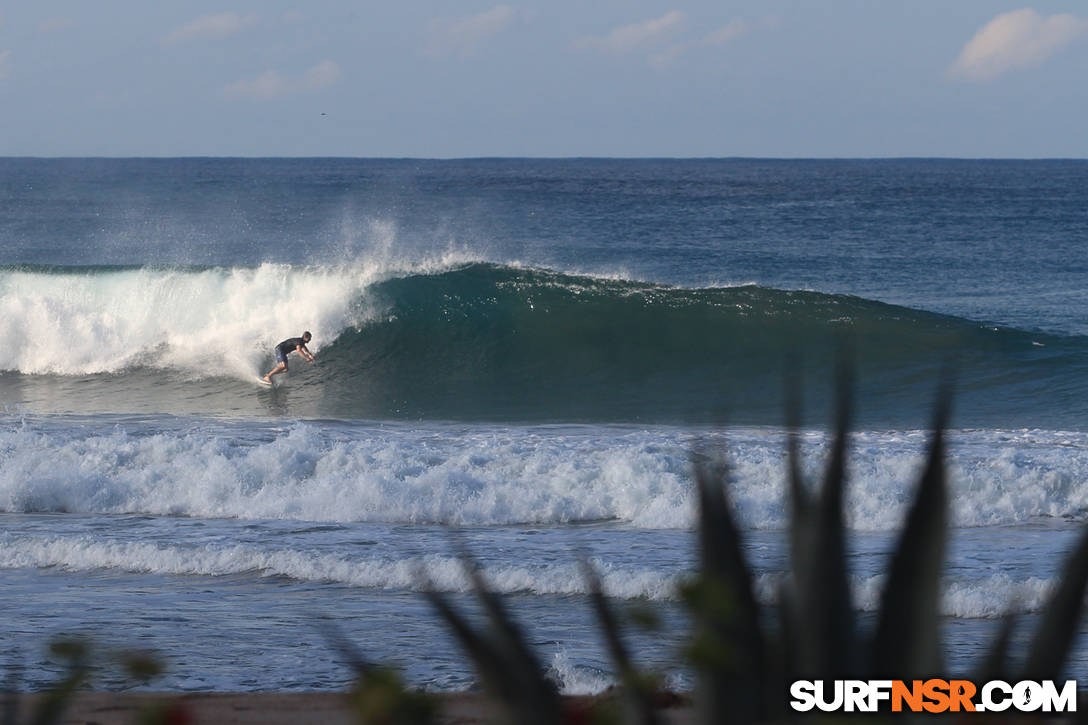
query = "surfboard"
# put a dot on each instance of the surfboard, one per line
(264, 382)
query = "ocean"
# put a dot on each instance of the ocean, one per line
(525, 352)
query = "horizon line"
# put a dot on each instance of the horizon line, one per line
(63, 157)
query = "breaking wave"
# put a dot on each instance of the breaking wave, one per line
(480, 341)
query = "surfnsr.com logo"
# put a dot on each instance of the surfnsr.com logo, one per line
(933, 696)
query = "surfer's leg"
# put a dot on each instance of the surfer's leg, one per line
(282, 367)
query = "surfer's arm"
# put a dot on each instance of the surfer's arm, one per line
(305, 353)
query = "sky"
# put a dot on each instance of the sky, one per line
(555, 78)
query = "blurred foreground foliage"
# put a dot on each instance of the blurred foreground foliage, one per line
(744, 659)
(80, 660)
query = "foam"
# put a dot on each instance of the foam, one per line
(309, 473)
(208, 321)
(986, 597)
(444, 573)
(509, 475)
(575, 680)
(995, 477)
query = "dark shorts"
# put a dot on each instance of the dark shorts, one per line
(281, 356)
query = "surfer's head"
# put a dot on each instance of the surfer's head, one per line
(306, 336)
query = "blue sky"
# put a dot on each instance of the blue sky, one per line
(682, 78)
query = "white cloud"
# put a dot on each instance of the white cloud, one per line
(1014, 40)
(636, 36)
(4, 55)
(725, 34)
(271, 84)
(322, 75)
(465, 36)
(218, 25)
(714, 39)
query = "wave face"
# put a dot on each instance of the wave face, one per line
(479, 341)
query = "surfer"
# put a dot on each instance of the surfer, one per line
(285, 348)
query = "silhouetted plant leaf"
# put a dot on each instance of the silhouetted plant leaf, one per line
(638, 691)
(907, 641)
(142, 666)
(348, 652)
(507, 667)
(728, 644)
(56, 700)
(380, 695)
(506, 635)
(823, 618)
(640, 615)
(74, 649)
(1058, 625)
(381, 698)
(995, 665)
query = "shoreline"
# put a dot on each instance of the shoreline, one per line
(289, 708)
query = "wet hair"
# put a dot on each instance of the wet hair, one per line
(307, 336)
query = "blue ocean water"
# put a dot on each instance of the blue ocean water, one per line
(527, 350)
